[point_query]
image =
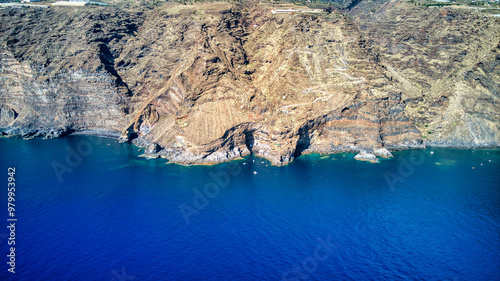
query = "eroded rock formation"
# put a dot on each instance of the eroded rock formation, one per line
(447, 59)
(213, 82)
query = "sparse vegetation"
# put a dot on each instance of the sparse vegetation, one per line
(187, 69)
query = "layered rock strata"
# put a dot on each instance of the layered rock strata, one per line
(209, 83)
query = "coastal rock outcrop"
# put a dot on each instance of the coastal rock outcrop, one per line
(364, 155)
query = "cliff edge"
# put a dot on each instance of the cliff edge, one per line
(212, 82)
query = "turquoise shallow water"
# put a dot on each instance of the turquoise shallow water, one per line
(105, 214)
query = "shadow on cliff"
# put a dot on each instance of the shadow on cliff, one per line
(107, 59)
(303, 142)
(249, 140)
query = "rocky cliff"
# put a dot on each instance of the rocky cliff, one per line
(447, 59)
(212, 82)
(57, 72)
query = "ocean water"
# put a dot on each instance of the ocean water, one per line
(88, 208)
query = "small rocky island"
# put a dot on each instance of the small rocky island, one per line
(208, 82)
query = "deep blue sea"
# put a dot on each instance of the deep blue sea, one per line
(89, 208)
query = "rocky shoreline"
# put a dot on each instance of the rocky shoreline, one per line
(154, 151)
(213, 82)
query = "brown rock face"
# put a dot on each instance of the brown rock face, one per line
(56, 73)
(207, 83)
